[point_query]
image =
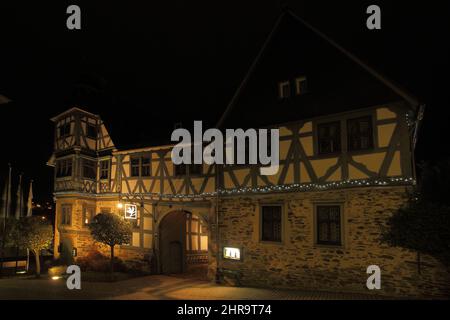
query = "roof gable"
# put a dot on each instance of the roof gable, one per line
(337, 80)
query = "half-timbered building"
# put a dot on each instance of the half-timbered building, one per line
(347, 137)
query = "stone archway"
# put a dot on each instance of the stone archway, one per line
(172, 242)
(183, 243)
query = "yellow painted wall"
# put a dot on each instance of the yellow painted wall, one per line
(385, 132)
(395, 168)
(307, 127)
(385, 113)
(371, 161)
(322, 165)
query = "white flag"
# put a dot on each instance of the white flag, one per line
(30, 200)
(19, 202)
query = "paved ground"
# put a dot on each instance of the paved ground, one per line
(152, 287)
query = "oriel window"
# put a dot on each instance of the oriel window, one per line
(104, 169)
(64, 168)
(360, 133)
(89, 169)
(65, 128)
(271, 223)
(328, 224)
(91, 131)
(329, 137)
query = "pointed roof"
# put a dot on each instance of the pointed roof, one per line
(337, 80)
(71, 110)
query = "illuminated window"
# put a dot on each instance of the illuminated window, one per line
(328, 221)
(88, 215)
(196, 234)
(360, 135)
(329, 137)
(301, 85)
(284, 89)
(66, 215)
(271, 223)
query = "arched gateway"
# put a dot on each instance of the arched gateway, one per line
(183, 243)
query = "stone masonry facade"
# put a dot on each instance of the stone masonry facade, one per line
(77, 235)
(298, 262)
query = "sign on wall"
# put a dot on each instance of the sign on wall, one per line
(232, 253)
(130, 211)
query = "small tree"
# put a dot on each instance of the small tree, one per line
(8, 231)
(8, 238)
(34, 234)
(424, 224)
(112, 230)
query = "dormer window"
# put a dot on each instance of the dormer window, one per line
(301, 86)
(284, 89)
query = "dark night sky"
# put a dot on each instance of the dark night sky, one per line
(154, 64)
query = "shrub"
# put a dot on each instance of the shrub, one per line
(57, 271)
(97, 262)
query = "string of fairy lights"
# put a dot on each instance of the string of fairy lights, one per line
(286, 188)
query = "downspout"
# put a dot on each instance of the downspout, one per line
(419, 119)
(418, 123)
(415, 137)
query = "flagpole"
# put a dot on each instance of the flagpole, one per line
(8, 194)
(29, 214)
(18, 214)
(6, 212)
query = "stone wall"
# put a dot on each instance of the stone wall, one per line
(298, 262)
(78, 235)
